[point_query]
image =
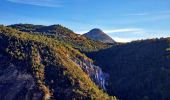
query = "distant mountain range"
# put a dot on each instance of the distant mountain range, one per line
(53, 63)
(99, 35)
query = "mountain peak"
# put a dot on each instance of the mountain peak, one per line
(97, 30)
(98, 35)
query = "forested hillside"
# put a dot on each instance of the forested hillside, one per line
(48, 62)
(139, 70)
(63, 34)
(35, 67)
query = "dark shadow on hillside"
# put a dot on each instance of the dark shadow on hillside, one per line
(138, 70)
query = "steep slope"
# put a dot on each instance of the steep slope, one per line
(139, 70)
(37, 67)
(99, 35)
(63, 34)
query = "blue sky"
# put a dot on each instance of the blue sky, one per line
(123, 20)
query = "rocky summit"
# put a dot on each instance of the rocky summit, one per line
(99, 35)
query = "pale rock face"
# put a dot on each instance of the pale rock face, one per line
(16, 83)
(94, 72)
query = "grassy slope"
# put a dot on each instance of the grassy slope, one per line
(50, 64)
